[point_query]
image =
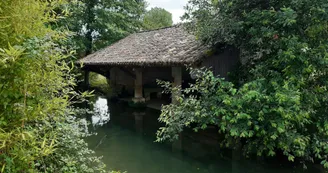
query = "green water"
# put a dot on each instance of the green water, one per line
(126, 142)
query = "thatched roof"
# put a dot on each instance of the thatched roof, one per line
(164, 47)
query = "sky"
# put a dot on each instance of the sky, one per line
(173, 6)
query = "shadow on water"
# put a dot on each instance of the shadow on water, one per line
(125, 139)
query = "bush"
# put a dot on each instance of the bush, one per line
(281, 102)
(265, 122)
(71, 153)
(37, 131)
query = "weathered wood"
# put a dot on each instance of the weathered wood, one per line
(102, 70)
(127, 72)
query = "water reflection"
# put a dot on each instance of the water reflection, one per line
(139, 118)
(101, 114)
(126, 140)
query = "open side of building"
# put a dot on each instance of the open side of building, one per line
(133, 64)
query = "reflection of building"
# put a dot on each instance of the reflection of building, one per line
(101, 112)
(133, 64)
(138, 117)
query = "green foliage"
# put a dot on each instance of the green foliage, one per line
(98, 24)
(72, 153)
(100, 82)
(23, 101)
(24, 18)
(36, 90)
(157, 18)
(281, 103)
(36, 93)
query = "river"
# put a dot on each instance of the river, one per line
(126, 142)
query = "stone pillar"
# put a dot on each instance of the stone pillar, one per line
(177, 82)
(138, 88)
(86, 79)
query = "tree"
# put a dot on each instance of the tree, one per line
(37, 131)
(98, 24)
(280, 104)
(157, 18)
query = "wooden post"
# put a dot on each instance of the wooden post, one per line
(177, 82)
(86, 79)
(138, 88)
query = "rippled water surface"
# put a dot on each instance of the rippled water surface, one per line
(125, 139)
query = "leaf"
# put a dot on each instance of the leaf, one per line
(291, 158)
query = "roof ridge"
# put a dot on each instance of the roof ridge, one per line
(173, 26)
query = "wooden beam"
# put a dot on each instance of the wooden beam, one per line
(127, 72)
(103, 70)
